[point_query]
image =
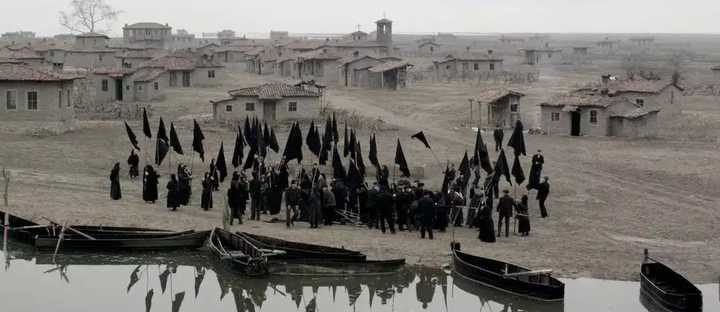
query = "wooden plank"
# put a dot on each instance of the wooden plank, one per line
(528, 273)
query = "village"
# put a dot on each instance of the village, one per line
(628, 125)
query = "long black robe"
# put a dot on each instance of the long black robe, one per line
(115, 193)
(206, 201)
(150, 185)
(133, 162)
(535, 171)
(173, 194)
(485, 222)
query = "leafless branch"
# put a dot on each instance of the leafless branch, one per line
(87, 15)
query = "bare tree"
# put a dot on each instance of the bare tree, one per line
(88, 16)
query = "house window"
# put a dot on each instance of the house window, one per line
(211, 74)
(156, 85)
(11, 100)
(514, 107)
(228, 108)
(69, 98)
(492, 66)
(292, 107)
(60, 98)
(186, 79)
(105, 85)
(447, 66)
(250, 107)
(100, 57)
(140, 87)
(32, 100)
(476, 66)
(640, 102)
(593, 117)
(555, 116)
(173, 79)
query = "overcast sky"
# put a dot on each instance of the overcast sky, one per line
(409, 16)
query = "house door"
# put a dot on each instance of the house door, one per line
(118, 89)
(269, 111)
(575, 123)
(186, 79)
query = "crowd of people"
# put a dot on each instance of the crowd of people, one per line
(310, 196)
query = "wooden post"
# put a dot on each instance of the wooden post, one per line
(471, 112)
(6, 177)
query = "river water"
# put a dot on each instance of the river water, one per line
(184, 281)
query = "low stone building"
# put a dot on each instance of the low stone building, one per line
(147, 35)
(149, 84)
(319, 65)
(269, 102)
(390, 75)
(132, 59)
(467, 65)
(542, 56)
(428, 48)
(498, 107)
(31, 94)
(351, 67)
(187, 71)
(91, 51)
(24, 55)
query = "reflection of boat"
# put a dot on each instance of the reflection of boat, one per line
(125, 241)
(489, 295)
(507, 277)
(334, 268)
(294, 250)
(242, 255)
(667, 288)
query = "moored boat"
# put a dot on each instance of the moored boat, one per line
(236, 251)
(19, 229)
(123, 241)
(302, 251)
(539, 284)
(668, 289)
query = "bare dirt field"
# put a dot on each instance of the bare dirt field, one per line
(610, 198)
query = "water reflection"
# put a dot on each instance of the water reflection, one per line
(164, 281)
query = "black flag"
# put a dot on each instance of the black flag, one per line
(248, 132)
(174, 141)
(273, 143)
(220, 163)
(148, 299)
(293, 146)
(323, 157)
(481, 156)
(132, 137)
(372, 154)
(354, 178)
(351, 145)
(359, 159)
(146, 125)
(250, 160)
(177, 302)
(401, 161)
(517, 140)
(198, 138)
(336, 134)
(238, 150)
(161, 146)
(517, 171)
(345, 141)
(464, 169)
(261, 142)
(421, 137)
(446, 180)
(338, 169)
(501, 167)
(266, 134)
(313, 140)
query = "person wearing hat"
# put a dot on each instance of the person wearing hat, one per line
(505, 209)
(542, 195)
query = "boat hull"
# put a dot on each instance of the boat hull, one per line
(192, 240)
(655, 289)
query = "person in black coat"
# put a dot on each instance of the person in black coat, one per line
(382, 176)
(341, 194)
(486, 226)
(362, 195)
(505, 209)
(373, 200)
(235, 199)
(498, 135)
(150, 184)
(115, 193)
(536, 170)
(426, 214)
(256, 197)
(292, 203)
(403, 200)
(522, 216)
(172, 193)
(185, 182)
(542, 195)
(386, 208)
(133, 162)
(314, 205)
(206, 200)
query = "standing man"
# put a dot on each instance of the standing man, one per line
(505, 209)
(206, 201)
(292, 203)
(314, 205)
(373, 200)
(498, 135)
(172, 193)
(133, 162)
(255, 197)
(150, 184)
(328, 204)
(115, 193)
(426, 211)
(542, 195)
(234, 199)
(387, 208)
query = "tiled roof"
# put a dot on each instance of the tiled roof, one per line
(389, 66)
(273, 91)
(615, 87)
(583, 100)
(303, 45)
(470, 57)
(148, 54)
(357, 44)
(146, 26)
(491, 95)
(147, 74)
(254, 52)
(20, 54)
(92, 35)
(113, 72)
(171, 63)
(353, 59)
(21, 72)
(319, 55)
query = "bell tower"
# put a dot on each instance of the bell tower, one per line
(384, 32)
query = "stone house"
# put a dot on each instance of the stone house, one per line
(149, 84)
(350, 69)
(612, 108)
(110, 84)
(230, 54)
(147, 35)
(541, 56)
(466, 66)
(318, 65)
(498, 107)
(91, 51)
(132, 59)
(428, 48)
(31, 94)
(252, 60)
(269, 102)
(187, 71)
(287, 66)
(389, 75)
(24, 55)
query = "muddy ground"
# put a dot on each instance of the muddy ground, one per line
(610, 198)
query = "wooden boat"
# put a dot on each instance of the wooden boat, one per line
(490, 295)
(21, 230)
(311, 268)
(668, 289)
(124, 241)
(236, 251)
(507, 277)
(295, 250)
